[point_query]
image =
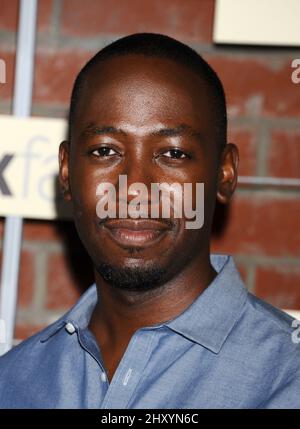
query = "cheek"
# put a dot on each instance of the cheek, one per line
(186, 247)
(84, 181)
(85, 175)
(84, 197)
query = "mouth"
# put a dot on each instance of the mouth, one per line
(136, 232)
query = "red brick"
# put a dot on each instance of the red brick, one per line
(41, 231)
(6, 89)
(45, 8)
(245, 141)
(9, 14)
(55, 74)
(26, 330)
(279, 285)
(61, 290)
(188, 19)
(284, 154)
(243, 272)
(261, 225)
(255, 87)
(26, 279)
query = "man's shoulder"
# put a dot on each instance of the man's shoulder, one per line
(273, 318)
(28, 350)
(269, 332)
(271, 348)
(37, 354)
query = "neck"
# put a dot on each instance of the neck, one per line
(118, 313)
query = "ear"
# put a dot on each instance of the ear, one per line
(228, 173)
(64, 170)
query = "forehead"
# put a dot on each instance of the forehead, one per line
(141, 88)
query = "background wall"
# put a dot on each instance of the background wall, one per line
(262, 224)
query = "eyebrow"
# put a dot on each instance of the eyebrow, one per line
(180, 130)
(92, 129)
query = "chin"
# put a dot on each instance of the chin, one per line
(133, 277)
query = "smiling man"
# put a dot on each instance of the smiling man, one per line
(166, 324)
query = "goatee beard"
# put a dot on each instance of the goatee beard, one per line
(135, 279)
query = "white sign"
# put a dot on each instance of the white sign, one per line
(257, 22)
(29, 167)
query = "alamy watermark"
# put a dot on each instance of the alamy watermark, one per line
(165, 200)
(2, 71)
(295, 76)
(296, 332)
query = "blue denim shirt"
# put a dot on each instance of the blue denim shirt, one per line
(228, 349)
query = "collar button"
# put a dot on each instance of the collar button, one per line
(70, 328)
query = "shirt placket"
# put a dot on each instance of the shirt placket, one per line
(130, 369)
(90, 347)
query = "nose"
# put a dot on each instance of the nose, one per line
(138, 174)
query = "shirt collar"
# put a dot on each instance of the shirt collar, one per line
(207, 321)
(210, 318)
(79, 315)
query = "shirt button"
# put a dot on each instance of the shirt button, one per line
(103, 376)
(70, 328)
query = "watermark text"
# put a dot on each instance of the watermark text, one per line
(165, 200)
(295, 76)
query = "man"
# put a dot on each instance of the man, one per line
(167, 324)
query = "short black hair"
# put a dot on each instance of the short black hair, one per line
(159, 45)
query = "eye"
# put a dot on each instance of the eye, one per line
(175, 154)
(104, 151)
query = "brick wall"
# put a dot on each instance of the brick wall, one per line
(261, 225)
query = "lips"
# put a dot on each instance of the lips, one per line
(136, 232)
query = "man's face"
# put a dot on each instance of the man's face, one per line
(151, 120)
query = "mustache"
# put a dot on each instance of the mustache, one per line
(170, 223)
(163, 208)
